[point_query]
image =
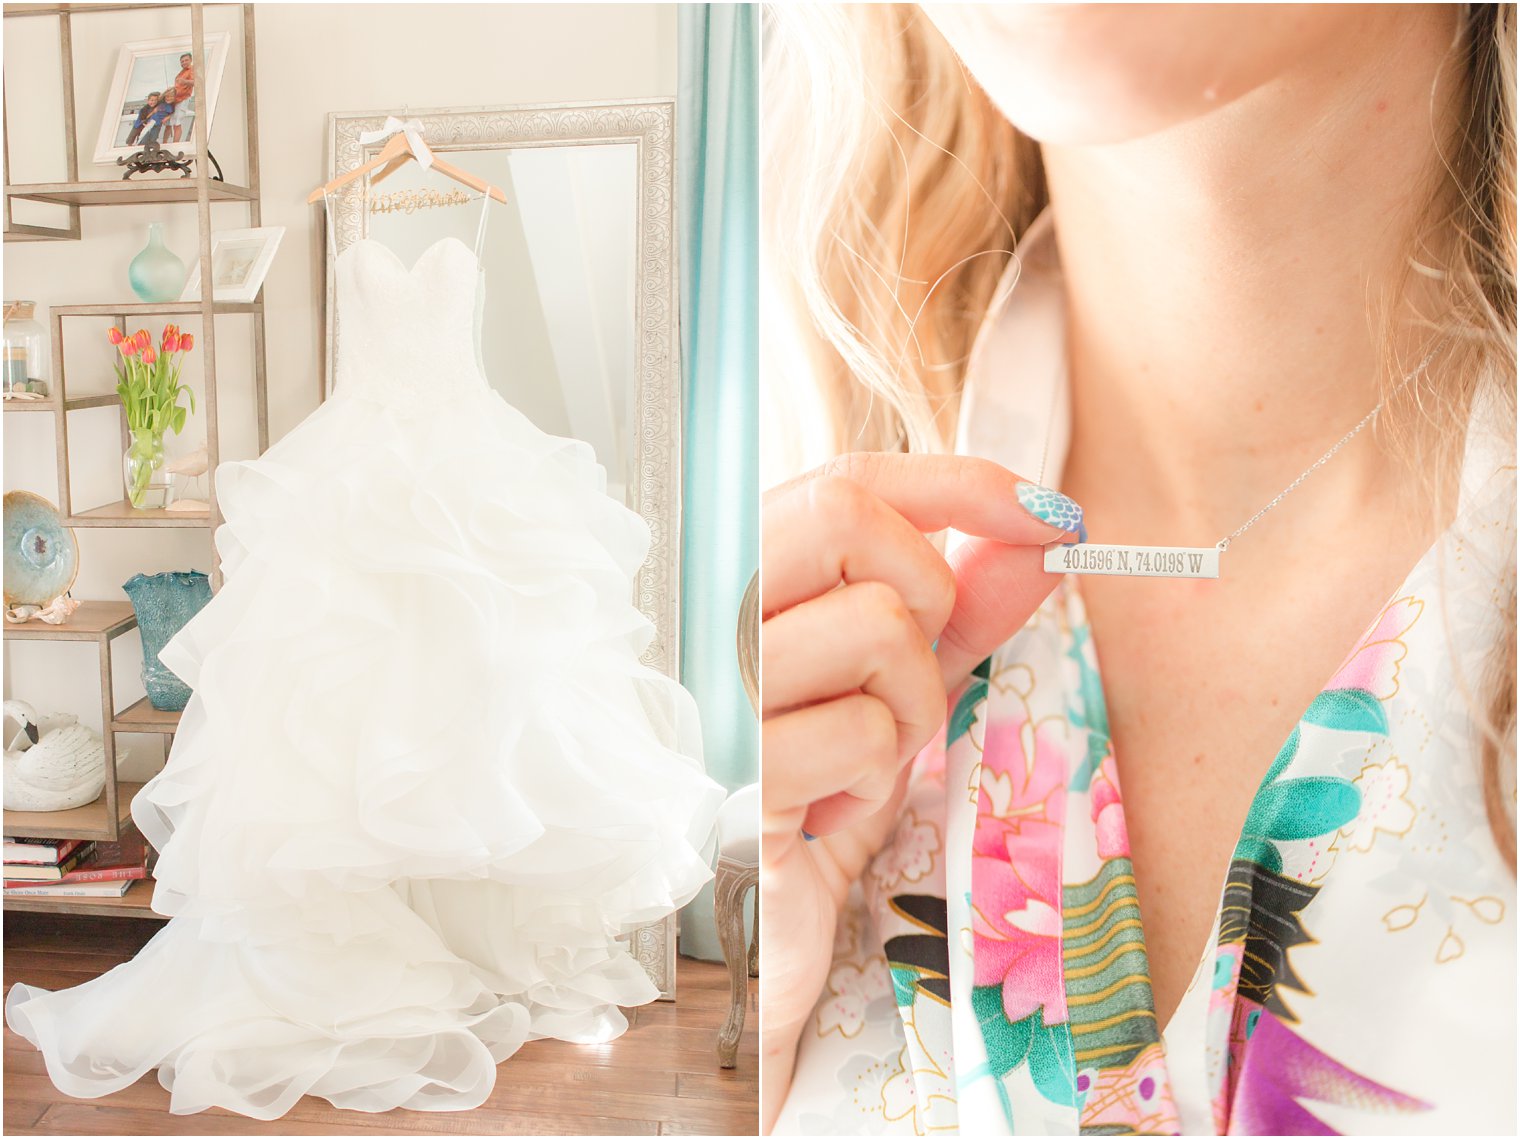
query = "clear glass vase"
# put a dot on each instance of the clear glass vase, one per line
(26, 375)
(149, 486)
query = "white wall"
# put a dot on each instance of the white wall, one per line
(312, 59)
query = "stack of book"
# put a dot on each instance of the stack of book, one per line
(75, 867)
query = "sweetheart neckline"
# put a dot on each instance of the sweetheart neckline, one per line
(395, 257)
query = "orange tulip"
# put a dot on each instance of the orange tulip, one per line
(171, 341)
(149, 356)
(186, 342)
(115, 335)
(128, 347)
(168, 331)
(142, 338)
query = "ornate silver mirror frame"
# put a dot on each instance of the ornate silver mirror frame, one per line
(656, 490)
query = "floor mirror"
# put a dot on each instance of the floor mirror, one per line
(579, 326)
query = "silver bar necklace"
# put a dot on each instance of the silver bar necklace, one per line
(1127, 560)
(1133, 561)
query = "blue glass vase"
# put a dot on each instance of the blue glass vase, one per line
(164, 603)
(156, 275)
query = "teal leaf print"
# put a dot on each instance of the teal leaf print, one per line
(1295, 809)
(1007, 1042)
(1348, 710)
(1047, 1050)
(1052, 1063)
(1284, 757)
(1286, 810)
(1259, 851)
(904, 985)
(965, 711)
(1087, 710)
(1304, 808)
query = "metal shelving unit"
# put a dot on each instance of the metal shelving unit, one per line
(103, 621)
(98, 623)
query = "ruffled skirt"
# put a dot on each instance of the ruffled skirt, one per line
(423, 783)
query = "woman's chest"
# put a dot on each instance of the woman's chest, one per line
(1204, 684)
(1352, 915)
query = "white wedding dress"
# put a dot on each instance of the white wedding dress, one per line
(423, 781)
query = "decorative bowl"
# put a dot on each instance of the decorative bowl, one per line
(41, 553)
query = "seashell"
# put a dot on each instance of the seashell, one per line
(55, 612)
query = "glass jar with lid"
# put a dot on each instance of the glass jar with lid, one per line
(25, 360)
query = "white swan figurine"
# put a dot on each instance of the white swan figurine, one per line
(53, 763)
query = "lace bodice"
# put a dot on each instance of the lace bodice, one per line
(407, 332)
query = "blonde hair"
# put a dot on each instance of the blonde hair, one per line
(894, 192)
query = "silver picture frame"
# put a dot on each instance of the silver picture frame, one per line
(648, 124)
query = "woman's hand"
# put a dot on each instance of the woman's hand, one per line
(866, 627)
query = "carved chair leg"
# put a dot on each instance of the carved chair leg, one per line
(754, 941)
(733, 882)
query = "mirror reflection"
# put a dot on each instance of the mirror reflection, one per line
(557, 330)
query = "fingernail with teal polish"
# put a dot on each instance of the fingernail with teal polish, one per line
(934, 648)
(1053, 507)
(808, 837)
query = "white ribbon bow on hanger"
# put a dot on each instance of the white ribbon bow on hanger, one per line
(412, 128)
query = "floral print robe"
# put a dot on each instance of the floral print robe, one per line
(990, 974)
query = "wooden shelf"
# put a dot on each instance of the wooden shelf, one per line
(136, 902)
(156, 192)
(76, 9)
(160, 308)
(51, 403)
(145, 719)
(92, 621)
(124, 514)
(98, 622)
(18, 231)
(89, 821)
(106, 399)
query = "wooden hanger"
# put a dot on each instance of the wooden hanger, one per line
(397, 151)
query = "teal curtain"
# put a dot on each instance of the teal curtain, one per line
(717, 173)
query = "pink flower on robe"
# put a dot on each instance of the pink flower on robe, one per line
(1373, 666)
(1016, 869)
(1107, 811)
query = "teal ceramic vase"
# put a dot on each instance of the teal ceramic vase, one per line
(156, 274)
(164, 604)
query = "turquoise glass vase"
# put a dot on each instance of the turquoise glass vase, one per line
(156, 274)
(164, 604)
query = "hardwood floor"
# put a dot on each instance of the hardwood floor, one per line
(659, 1078)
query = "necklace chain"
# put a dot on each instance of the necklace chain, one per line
(1224, 543)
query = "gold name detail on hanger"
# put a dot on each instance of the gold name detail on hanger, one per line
(1133, 561)
(410, 201)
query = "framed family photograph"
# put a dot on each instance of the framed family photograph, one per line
(158, 89)
(240, 260)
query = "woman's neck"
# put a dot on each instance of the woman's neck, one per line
(1224, 278)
